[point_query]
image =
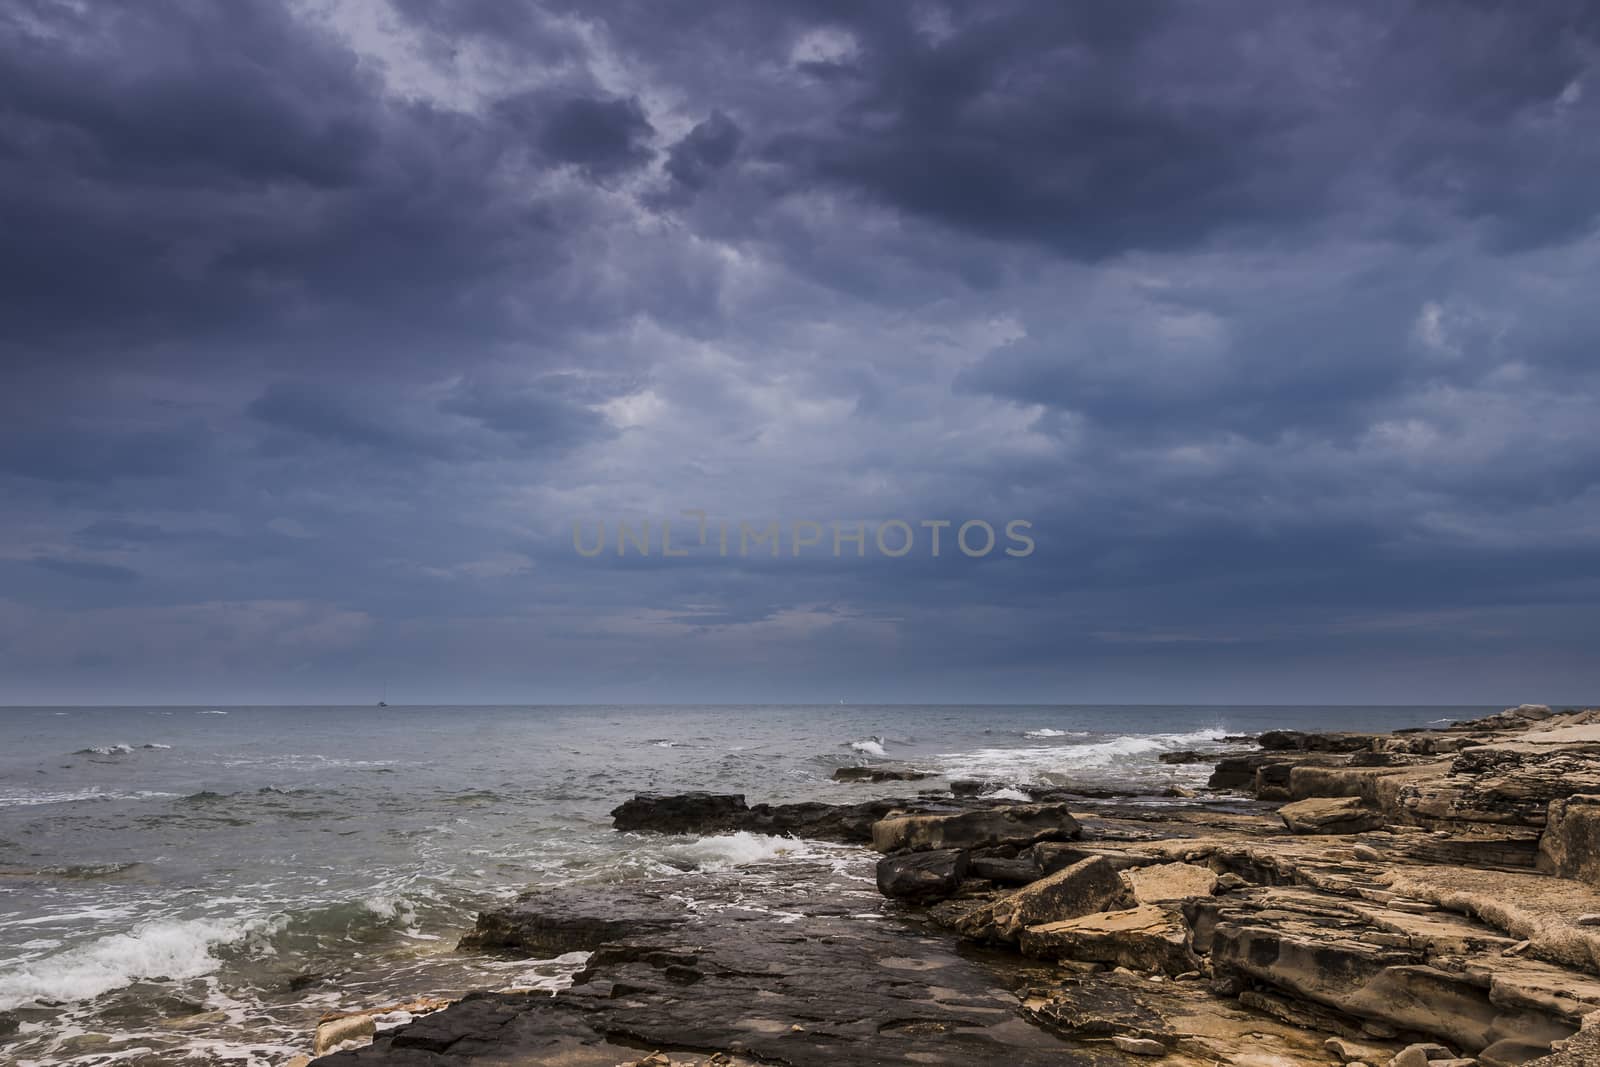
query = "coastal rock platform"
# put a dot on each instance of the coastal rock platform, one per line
(1422, 897)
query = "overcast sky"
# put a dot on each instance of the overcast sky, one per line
(325, 320)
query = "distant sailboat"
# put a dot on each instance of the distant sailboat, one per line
(384, 701)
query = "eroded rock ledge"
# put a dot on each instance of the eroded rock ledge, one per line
(1419, 897)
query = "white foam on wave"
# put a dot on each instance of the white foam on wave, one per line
(1045, 731)
(1040, 762)
(869, 746)
(721, 851)
(104, 750)
(1007, 794)
(175, 950)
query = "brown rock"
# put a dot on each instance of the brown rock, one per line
(1146, 938)
(1330, 815)
(1570, 845)
(1170, 882)
(1088, 886)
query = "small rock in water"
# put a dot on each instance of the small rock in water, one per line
(336, 1032)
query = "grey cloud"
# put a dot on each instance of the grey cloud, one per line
(704, 150)
(89, 570)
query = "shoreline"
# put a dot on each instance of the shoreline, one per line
(1323, 898)
(1364, 899)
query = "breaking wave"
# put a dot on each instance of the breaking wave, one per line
(174, 950)
(868, 746)
(1051, 763)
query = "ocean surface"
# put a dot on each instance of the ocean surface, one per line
(199, 885)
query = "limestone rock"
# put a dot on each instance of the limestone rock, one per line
(1138, 1046)
(1088, 886)
(1330, 815)
(922, 876)
(336, 1032)
(1145, 938)
(1164, 882)
(1015, 824)
(1570, 845)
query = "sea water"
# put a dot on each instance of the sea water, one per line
(198, 885)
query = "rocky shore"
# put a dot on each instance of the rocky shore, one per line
(1405, 899)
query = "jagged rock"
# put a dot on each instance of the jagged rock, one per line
(1016, 824)
(1570, 845)
(1298, 741)
(922, 876)
(879, 774)
(1145, 938)
(1330, 815)
(1088, 886)
(1164, 882)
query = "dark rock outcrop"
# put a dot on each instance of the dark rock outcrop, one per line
(879, 774)
(922, 876)
(1011, 824)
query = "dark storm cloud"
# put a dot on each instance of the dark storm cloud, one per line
(704, 150)
(324, 325)
(602, 138)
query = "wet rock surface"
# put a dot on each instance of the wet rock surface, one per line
(1424, 897)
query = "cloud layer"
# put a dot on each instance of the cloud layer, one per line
(326, 320)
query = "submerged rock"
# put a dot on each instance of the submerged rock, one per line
(879, 774)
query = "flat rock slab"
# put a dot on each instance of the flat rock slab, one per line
(1014, 824)
(1146, 938)
(806, 969)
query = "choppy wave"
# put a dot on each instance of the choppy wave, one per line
(1045, 731)
(1053, 763)
(868, 746)
(116, 750)
(32, 799)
